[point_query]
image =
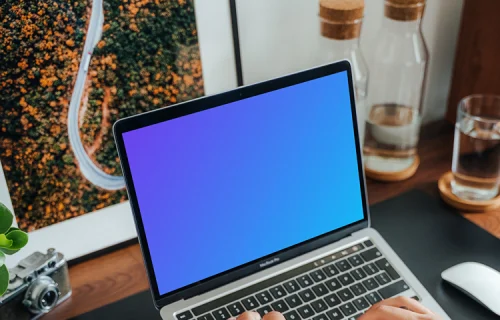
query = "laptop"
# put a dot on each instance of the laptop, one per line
(255, 199)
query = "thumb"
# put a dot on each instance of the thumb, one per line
(248, 315)
(273, 315)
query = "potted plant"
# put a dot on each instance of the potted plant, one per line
(11, 241)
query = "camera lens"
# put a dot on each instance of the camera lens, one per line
(42, 295)
(49, 299)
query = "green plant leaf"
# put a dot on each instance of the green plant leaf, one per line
(8, 251)
(4, 279)
(2, 258)
(11, 229)
(19, 239)
(4, 242)
(6, 218)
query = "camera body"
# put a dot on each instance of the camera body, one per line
(37, 285)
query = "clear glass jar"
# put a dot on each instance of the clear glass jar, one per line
(399, 65)
(340, 24)
(334, 50)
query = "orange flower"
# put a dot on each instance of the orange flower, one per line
(22, 64)
(133, 27)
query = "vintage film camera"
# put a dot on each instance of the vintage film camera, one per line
(37, 285)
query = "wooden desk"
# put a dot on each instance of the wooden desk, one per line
(121, 273)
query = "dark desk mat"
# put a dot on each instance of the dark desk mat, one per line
(424, 232)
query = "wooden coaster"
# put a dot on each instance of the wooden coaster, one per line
(444, 185)
(394, 176)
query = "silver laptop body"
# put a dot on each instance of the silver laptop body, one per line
(332, 277)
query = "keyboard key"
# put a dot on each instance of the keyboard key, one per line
(393, 289)
(186, 315)
(355, 316)
(346, 279)
(330, 270)
(371, 284)
(278, 292)
(321, 317)
(332, 300)
(221, 314)
(317, 264)
(250, 303)
(371, 254)
(355, 260)
(368, 243)
(306, 295)
(292, 315)
(291, 286)
(319, 305)
(333, 284)
(348, 309)
(383, 264)
(293, 301)
(345, 294)
(305, 311)
(361, 303)
(373, 297)
(335, 314)
(280, 306)
(382, 278)
(252, 289)
(370, 269)
(358, 274)
(320, 290)
(357, 289)
(264, 310)
(264, 297)
(317, 275)
(304, 281)
(343, 265)
(235, 309)
(207, 316)
(357, 247)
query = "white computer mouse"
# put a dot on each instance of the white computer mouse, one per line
(478, 281)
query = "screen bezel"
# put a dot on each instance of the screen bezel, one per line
(182, 109)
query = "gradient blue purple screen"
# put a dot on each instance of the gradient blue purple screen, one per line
(229, 185)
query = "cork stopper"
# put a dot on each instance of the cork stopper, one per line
(404, 10)
(341, 19)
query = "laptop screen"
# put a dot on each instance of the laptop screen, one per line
(226, 186)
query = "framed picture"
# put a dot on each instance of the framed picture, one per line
(69, 70)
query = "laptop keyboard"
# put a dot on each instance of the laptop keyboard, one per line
(339, 286)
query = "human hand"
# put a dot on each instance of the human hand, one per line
(251, 315)
(399, 308)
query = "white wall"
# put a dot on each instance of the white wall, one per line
(281, 36)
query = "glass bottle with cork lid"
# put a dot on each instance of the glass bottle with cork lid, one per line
(399, 63)
(340, 25)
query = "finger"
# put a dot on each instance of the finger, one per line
(248, 315)
(411, 304)
(383, 312)
(273, 315)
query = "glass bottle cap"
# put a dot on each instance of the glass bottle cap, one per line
(404, 10)
(341, 10)
(341, 19)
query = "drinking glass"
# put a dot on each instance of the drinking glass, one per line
(476, 150)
